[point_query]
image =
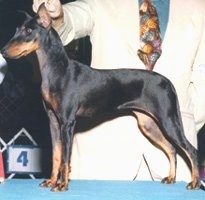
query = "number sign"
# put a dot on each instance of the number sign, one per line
(24, 159)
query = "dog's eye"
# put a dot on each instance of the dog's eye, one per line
(28, 30)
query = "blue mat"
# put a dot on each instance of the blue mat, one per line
(28, 189)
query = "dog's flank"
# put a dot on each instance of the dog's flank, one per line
(73, 91)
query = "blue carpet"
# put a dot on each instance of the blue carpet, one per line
(28, 189)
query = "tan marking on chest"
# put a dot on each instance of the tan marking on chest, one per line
(50, 98)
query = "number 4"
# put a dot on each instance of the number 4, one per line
(23, 158)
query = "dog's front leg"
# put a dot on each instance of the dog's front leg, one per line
(67, 132)
(56, 150)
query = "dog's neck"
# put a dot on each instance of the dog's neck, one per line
(51, 53)
(53, 61)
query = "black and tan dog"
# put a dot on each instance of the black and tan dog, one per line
(73, 91)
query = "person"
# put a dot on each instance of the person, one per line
(116, 149)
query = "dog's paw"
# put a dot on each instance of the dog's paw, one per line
(168, 180)
(47, 183)
(194, 185)
(60, 186)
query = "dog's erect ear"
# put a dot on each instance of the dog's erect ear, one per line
(44, 17)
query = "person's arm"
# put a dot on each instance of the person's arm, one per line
(71, 20)
(78, 21)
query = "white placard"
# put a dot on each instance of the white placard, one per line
(24, 159)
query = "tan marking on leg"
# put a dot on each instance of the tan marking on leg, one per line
(151, 131)
(56, 159)
(195, 181)
(62, 184)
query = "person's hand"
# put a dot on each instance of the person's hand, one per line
(54, 8)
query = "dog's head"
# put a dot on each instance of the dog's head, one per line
(29, 35)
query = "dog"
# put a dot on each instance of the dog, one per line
(73, 91)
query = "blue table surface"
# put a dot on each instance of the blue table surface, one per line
(28, 189)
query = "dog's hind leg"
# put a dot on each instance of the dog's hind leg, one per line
(152, 132)
(190, 152)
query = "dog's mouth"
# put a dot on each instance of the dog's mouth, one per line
(6, 54)
(23, 53)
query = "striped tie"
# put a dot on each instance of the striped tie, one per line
(150, 39)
